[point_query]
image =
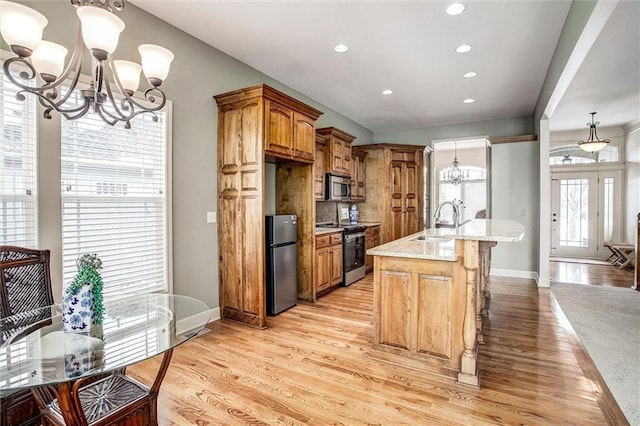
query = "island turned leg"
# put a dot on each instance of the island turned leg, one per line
(469, 368)
(482, 288)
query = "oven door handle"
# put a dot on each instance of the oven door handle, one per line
(353, 236)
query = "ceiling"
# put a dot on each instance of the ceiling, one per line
(405, 46)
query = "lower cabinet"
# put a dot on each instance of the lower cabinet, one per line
(328, 271)
(371, 239)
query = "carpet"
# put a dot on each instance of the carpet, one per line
(607, 321)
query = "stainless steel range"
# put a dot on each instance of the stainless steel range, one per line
(353, 251)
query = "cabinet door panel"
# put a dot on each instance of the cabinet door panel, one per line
(395, 312)
(435, 300)
(323, 268)
(397, 191)
(280, 129)
(336, 264)
(304, 137)
(411, 171)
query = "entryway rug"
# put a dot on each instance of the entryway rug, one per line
(607, 321)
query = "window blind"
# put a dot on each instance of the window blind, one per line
(114, 201)
(18, 179)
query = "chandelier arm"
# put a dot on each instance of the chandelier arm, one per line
(106, 117)
(69, 114)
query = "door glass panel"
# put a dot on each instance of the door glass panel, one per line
(574, 212)
(608, 210)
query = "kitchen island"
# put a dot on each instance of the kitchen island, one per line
(430, 296)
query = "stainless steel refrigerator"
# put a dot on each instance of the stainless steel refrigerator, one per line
(281, 262)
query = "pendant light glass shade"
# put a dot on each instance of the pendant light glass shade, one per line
(156, 61)
(110, 91)
(21, 27)
(48, 60)
(593, 143)
(100, 29)
(129, 75)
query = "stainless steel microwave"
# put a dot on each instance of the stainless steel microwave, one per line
(338, 188)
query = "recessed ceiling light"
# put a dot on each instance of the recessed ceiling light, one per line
(469, 101)
(387, 92)
(463, 48)
(470, 74)
(341, 48)
(455, 9)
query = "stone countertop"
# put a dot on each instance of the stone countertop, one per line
(323, 231)
(440, 242)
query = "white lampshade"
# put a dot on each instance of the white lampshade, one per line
(593, 146)
(156, 61)
(129, 74)
(21, 26)
(49, 58)
(100, 28)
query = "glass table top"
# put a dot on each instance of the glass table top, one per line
(34, 351)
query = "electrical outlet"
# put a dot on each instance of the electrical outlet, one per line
(211, 217)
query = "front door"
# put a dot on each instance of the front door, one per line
(585, 213)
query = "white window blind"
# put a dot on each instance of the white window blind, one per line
(18, 182)
(114, 201)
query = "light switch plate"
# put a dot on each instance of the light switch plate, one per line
(211, 217)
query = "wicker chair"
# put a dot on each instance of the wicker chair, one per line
(25, 284)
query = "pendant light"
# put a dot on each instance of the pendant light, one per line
(593, 144)
(453, 174)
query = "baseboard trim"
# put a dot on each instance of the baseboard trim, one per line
(514, 273)
(193, 322)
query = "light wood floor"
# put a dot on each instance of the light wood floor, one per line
(313, 367)
(584, 273)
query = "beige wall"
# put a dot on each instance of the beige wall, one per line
(632, 180)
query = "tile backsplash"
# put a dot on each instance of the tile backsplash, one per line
(326, 211)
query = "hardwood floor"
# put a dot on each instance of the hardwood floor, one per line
(313, 366)
(591, 274)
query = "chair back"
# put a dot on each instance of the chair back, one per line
(25, 280)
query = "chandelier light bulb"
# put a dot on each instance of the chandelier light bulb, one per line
(156, 61)
(21, 27)
(100, 30)
(113, 83)
(48, 60)
(129, 75)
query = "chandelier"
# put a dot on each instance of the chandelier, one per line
(593, 144)
(98, 32)
(453, 174)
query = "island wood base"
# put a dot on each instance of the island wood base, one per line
(432, 310)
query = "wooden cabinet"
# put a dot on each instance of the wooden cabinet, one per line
(254, 122)
(328, 269)
(289, 134)
(337, 151)
(358, 174)
(319, 169)
(371, 239)
(394, 184)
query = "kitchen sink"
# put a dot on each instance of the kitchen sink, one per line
(451, 225)
(433, 238)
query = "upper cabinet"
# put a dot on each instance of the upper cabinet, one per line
(290, 130)
(358, 174)
(338, 150)
(318, 168)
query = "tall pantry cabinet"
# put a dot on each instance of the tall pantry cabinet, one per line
(395, 193)
(254, 124)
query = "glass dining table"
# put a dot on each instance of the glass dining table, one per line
(64, 369)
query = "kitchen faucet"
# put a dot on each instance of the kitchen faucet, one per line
(456, 213)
